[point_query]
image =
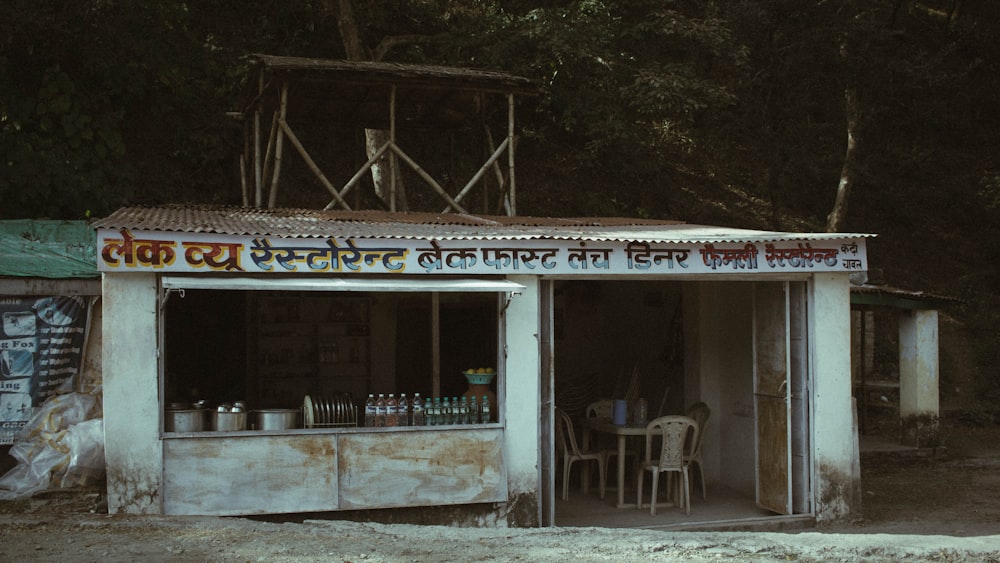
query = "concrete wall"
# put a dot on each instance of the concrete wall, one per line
(131, 387)
(522, 393)
(836, 473)
(719, 371)
(918, 363)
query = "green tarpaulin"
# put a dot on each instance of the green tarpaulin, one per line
(47, 249)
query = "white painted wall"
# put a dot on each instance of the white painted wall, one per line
(522, 388)
(719, 371)
(836, 473)
(918, 363)
(131, 386)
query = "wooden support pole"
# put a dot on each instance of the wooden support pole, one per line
(245, 161)
(269, 150)
(436, 344)
(510, 155)
(393, 171)
(243, 180)
(479, 173)
(359, 174)
(502, 203)
(258, 194)
(278, 147)
(427, 178)
(312, 164)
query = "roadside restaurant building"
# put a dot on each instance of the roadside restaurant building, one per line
(312, 311)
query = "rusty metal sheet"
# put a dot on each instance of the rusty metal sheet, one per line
(442, 467)
(254, 474)
(311, 223)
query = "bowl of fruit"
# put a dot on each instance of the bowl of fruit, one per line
(480, 376)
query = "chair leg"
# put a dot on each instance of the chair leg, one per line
(604, 464)
(701, 473)
(686, 492)
(566, 464)
(652, 498)
(602, 473)
(639, 473)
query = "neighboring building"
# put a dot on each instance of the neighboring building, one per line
(48, 284)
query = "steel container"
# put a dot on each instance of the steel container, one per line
(229, 421)
(184, 420)
(274, 419)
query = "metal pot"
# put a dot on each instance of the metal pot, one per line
(275, 419)
(229, 421)
(184, 420)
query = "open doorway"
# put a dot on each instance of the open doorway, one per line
(688, 342)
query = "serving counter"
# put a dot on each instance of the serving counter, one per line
(331, 469)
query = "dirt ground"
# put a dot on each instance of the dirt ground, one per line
(916, 508)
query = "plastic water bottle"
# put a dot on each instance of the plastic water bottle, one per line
(464, 412)
(380, 411)
(446, 415)
(391, 411)
(418, 411)
(487, 416)
(403, 416)
(641, 411)
(473, 410)
(370, 410)
(429, 412)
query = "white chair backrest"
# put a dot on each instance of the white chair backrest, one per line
(599, 409)
(566, 434)
(673, 430)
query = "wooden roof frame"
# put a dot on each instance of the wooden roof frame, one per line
(367, 94)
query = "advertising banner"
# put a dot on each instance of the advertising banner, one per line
(41, 349)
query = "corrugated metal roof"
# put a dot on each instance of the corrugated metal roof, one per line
(311, 223)
(38, 248)
(436, 76)
(873, 294)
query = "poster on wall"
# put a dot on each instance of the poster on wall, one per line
(41, 349)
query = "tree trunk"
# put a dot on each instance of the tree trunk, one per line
(835, 220)
(381, 170)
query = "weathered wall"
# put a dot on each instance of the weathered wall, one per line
(919, 381)
(522, 394)
(131, 406)
(834, 437)
(719, 371)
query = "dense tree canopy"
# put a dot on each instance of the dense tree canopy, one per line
(730, 112)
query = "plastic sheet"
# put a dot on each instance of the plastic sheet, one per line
(61, 446)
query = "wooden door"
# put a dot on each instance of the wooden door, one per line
(771, 397)
(546, 441)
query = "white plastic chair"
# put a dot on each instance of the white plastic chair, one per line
(571, 452)
(700, 413)
(673, 431)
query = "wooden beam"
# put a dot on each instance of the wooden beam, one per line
(279, 147)
(482, 170)
(312, 164)
(258, 194)
(393, 168)
(358, 175)
(269, 150)
(436, 344)
(427, 178)
(510, 155)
